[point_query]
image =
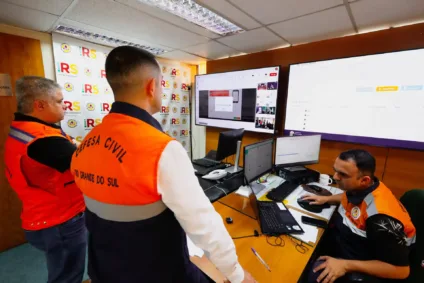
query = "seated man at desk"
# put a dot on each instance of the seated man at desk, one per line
(371, 233)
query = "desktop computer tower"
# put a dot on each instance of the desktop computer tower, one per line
(297, 176)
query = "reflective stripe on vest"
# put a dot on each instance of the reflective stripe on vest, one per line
(372, 210)
(124, 213)
(348, 223)
(21, 136)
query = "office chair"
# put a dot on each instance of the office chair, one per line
(413, 201)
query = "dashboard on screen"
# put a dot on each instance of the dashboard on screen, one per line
(374, 99)
(242, 99)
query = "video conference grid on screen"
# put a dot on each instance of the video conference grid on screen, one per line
(243, 99)
(375, 99)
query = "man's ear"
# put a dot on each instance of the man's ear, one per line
(39, 105)
(151, 87)
(366, 179)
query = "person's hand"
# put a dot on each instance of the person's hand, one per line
(332, 269)
(248, 278)
(316, 200)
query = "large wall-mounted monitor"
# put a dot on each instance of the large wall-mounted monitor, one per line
(242, 99)
(374, 99)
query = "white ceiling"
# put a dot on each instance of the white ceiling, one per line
(269, 24)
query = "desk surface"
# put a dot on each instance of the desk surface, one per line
(286, 263)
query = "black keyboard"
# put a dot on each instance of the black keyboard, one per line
(282, 191)
(269, 217)
(205, 162)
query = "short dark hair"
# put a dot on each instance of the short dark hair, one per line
(124, 60)
(364, 161)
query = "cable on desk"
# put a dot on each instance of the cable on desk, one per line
(237, 210)
(248, 236)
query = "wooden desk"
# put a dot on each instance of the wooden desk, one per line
(286, 263)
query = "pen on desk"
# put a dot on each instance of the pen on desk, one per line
(261, 260)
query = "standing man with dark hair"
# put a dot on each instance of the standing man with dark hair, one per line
(141, 193)
(38, 156)
(372, 230)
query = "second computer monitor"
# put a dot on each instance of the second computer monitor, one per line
(227, 144)
(258, 159)
(297, 150)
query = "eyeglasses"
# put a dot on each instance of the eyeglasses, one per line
(299, 245)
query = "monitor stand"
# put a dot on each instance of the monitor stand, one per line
(235, 168)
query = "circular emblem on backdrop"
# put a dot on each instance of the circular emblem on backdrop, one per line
(184, 143)
(90, 106)
(68, 87)
(174, 109)
(355, 212)
(185, 74)
(291, 133)
(87, 72)
(72, 123)
(175, 133)
(175, 85)
(184, 121)
(164, 69)
(66, 48)
(164, 122)
(167, 132)
(185, 97)
(164, 96)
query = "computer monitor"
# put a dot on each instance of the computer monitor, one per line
(258, 159)
(227, 143)
(297, 150)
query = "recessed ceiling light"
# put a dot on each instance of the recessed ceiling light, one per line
(103, 39)
(197, 14)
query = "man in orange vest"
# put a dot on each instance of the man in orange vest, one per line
(37, 157)
(371, 233)
(140, 189)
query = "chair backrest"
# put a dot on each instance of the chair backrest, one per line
(413, 201)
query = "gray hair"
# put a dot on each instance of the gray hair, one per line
(31, 88)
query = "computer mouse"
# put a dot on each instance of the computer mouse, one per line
(229, 220)
(306, 204)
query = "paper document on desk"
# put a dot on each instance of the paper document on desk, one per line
(311, 233)
(272, 182)
(326, 214)
(193, 250)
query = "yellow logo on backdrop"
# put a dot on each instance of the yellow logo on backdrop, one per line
(72, 123)
(66, 48)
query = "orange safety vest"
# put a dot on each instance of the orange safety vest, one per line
(48, 196)
(134, 237)
(379, 201)
(129, 150)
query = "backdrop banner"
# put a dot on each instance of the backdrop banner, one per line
(80, 71)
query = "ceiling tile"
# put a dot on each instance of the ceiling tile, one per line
(370, 14)
(128, 21)
(55, 7)
(231, 13)
(170, 18)
(77, 25)
(211, 50)
(272, 11)
(252, 41)
(181, 56)
(25, 18)
(316, 26)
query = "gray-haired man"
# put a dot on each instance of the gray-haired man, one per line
(37, 157)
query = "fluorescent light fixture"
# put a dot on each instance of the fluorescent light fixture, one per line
(103, 39)
(197, 14)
